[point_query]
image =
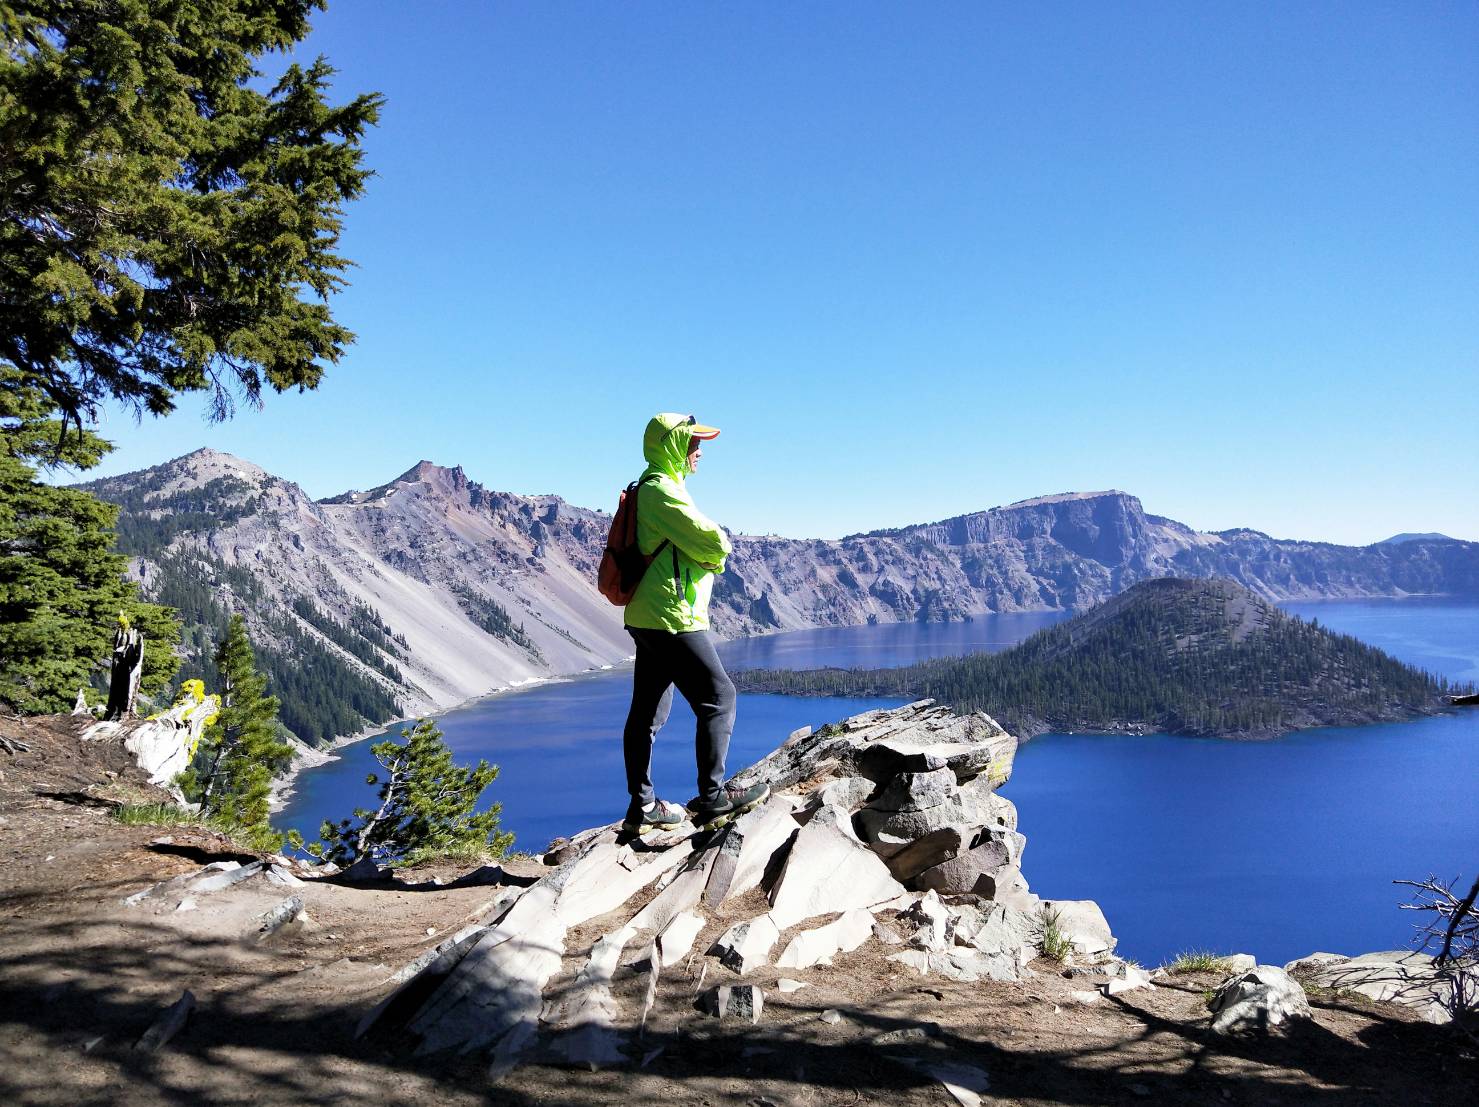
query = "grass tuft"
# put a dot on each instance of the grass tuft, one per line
(1197, 960)
(1056, 945)
(155, 814)
(263, 839)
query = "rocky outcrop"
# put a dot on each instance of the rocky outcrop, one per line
(802, 880)
(1403, 976)
(1259, 999)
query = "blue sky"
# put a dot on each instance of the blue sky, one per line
(915, 260)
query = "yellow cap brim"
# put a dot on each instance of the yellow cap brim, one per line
(698, 430)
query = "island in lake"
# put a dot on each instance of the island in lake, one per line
(1195, 657)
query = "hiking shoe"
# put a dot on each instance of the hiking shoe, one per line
(660, 815)
(733, 801)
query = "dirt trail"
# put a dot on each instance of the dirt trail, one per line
(82, 976)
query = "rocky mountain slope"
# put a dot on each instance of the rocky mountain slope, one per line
(431, 588)
(1199, 657)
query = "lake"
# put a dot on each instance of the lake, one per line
(1273, 848)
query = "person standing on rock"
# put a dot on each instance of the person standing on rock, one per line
(668, 619)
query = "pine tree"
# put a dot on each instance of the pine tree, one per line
(240, 752)
(62, 587)
(169, 219)
(426, 806)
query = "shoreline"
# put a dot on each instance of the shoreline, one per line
(311, 757)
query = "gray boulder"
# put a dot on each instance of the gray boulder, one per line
(890, 831)
(850, 792)
(930, 922)
(1082, 923)
(996, 928)
(1265, 996)
(988, 865)
(1312, 961)
(935, 848)
(743, 1002)
(915, 791)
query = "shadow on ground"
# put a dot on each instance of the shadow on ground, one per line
(267, 1033)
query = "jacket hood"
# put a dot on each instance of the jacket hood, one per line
(665, 444)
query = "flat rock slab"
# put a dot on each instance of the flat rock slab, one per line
(684, 890)
(606, 876)
(429, 967)
(767, 831)
(497, 985)
(820, 945)
(497, 988)
(224, 877)
(998, 928)
(725, 864)
(1131, 979)
(746, 946)
(934, 848)
(585, 1016)
(850, 792)
(277, 918)
(931, 921)
(1400, 976)
(366, 871)
(829, 871)
(967, 966)
(676, 940)
(277, 874)
(966, 1084)
(169, 1023)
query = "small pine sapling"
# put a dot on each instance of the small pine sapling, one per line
(240, 753)
(426, 807)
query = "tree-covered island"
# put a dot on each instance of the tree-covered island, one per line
(1194, 657)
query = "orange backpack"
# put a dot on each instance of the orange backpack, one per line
(623, 563)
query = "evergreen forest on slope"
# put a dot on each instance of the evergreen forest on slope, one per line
(1193, 657)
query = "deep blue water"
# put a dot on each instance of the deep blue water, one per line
(558, 745)
(1273, 848)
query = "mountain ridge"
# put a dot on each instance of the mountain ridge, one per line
(477, 589)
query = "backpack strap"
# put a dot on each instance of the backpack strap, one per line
(664, 544)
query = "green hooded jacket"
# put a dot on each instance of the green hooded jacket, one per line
(674, 593)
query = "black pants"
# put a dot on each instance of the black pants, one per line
(689, 661)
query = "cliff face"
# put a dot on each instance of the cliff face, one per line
(478, 588)
(1069, 551)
